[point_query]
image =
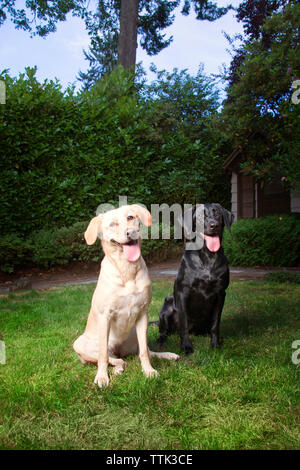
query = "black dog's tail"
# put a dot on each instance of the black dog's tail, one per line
(165, 311)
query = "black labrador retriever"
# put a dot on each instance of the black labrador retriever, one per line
(199, 289)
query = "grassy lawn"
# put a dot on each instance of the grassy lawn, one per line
(244, 396)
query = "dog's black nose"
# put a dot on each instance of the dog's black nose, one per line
(132, 235)
(212, 225)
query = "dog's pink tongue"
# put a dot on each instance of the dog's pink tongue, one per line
(132, 252)
(212, 243)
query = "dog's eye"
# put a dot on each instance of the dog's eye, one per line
(112, 224)
(130, 217)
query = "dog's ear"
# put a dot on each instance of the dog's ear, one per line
(93, 230)
(142, 213)
(228, 218)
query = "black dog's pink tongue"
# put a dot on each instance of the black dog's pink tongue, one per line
(212, 243)
(132, 252)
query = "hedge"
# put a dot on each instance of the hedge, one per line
(64, 152)
(61, 246)
(269, 241)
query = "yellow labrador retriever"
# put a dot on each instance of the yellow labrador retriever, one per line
(118, 319)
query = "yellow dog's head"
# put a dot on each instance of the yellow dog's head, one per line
(120, 228)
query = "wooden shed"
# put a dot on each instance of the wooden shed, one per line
(252, 199)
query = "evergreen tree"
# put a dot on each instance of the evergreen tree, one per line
(253, 14)
(262, 116)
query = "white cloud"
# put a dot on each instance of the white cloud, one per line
(76, 45)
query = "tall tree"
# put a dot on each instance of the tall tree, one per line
(252, 14)
(263, 115)
(111, 42)
(144, 18)
(39, 17)
(114, 26)
(127, 43)
(103, 28)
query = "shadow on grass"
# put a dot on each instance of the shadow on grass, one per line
(256, 320)
(252, 310)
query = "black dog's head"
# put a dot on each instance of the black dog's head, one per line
(211, 218)
(215, 218)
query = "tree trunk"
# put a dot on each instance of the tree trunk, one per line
(128, 33)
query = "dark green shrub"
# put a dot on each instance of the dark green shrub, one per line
(67, 244)
(269, 241)
(62, 246)
(14, 252)
(48, 249)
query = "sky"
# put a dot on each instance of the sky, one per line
(60, 55)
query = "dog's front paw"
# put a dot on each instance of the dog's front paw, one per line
(151, 373)
(101, 380)
(216, 343)
(119, 367)
(172, 356)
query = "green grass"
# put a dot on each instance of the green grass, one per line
(244, 396)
